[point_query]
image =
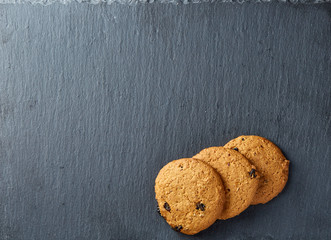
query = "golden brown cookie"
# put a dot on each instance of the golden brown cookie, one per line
(239, 176)
(269, 161)
(190, 195)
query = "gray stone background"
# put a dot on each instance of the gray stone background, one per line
(95, 99)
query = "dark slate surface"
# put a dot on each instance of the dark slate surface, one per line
(94, 100)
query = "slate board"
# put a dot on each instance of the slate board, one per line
(94, 100)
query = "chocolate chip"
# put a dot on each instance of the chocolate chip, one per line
(236, 149)
(243, 139)
(200, 206)
(228, 190)
(158, 210)
(167, 207)
(252, 173)
(177, 228)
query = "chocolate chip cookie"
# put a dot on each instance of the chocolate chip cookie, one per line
(269, 161)
(190, 195)
(239, 176)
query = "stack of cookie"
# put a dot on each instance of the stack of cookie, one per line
(220, 183)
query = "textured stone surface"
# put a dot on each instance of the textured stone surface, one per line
(94, 100)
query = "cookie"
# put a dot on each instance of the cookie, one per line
(190, 195)
(269, 161)
(239, 176)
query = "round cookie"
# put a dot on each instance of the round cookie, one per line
(269, 161)
(190, 195)
(239, 177)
